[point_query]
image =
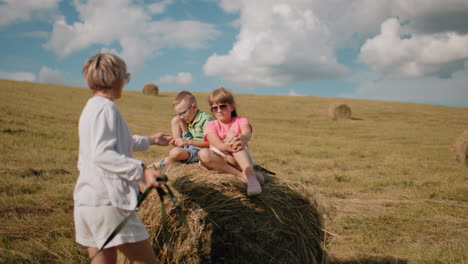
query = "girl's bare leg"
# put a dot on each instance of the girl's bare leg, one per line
(260, 177)
(213, 161)
(243, 159)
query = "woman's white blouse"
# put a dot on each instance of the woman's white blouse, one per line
(108, 173)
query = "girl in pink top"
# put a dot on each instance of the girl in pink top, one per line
(228, 136)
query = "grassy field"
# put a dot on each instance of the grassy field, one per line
(387, 179)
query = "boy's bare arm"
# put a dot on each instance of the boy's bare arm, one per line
(177, 127)
(199, 143)
(186, 142)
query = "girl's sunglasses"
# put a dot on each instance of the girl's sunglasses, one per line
(218, 108)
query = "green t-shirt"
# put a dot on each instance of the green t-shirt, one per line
(198, 125)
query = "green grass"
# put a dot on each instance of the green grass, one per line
(387, 179)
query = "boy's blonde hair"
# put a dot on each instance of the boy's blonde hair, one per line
(104, 71)
(222, 96)
(184, 95)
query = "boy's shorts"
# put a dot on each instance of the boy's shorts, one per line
(191, 149)
(94, 224)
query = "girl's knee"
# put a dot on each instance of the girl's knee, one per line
(210, 159)
(204, 155)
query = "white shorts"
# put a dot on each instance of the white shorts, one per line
(94, 224)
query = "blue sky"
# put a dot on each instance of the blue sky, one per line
(394, 50)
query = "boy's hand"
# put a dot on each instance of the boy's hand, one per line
(181, 142)
(162, 139)
(150, 178)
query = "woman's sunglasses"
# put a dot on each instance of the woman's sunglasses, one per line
(218, 108)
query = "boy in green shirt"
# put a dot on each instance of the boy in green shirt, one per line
(187, 130)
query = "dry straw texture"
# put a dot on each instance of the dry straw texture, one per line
(282, 225)
(150, 89)
(461, 148)
(339, 111)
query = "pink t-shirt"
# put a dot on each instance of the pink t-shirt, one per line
(221, 129)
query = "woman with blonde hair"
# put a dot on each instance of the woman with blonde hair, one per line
(107, 187)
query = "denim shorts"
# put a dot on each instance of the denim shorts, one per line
(191, 149)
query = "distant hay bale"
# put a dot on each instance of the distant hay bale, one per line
(461, 148)
(339, 111)
(150, 89)
(282, 225)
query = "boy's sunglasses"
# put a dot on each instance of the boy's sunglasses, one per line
(218, 108)
(184, 112)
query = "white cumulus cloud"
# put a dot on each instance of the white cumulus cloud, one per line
(130, 25)
(294, 93)
(287, 41)
(279, 42)
(231, 6)
(181, 79)
(18, 76)
(436, 54)
(159, 7)
(13, 11)
(48, 75)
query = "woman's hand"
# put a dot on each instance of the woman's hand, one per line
(162, 139)
(150, 178)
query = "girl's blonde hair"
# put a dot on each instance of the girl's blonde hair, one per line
(104, 71)
(222, 96)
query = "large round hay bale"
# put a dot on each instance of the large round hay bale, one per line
(339, 111)
(150, 89)
(461, 148)
(282, 225)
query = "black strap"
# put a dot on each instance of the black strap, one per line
(162, 179)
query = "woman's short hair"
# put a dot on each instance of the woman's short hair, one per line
(104, 71)
(222, 96)
(184, 95)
